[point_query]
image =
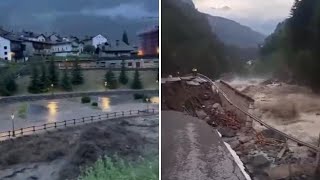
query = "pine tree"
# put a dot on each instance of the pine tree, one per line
(53, 73)
(111, 80)
(125, 38)
(136, 84)
(123, 78)
(44, 79)
(65, 81)
(77, 76)
(34, 86)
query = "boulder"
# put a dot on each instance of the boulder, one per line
(234, 144)
(260, 161)
(201, 114)
(245, 139)
(227, 132)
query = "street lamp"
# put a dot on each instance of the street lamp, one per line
(52, 89)
(12, 120)
(106, 84)
(147, 100)
(194, 71)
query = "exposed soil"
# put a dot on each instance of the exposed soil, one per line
(259, 149)
(61, 154)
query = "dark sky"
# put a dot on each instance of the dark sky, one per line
(261, 15)
(79, 17)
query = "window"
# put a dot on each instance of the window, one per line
(5, 53)
(5, 47)
(5, 58)
(130, 64)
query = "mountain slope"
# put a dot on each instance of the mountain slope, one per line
(188, 42)
(233, 33)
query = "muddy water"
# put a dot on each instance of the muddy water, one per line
(289, 108)
(44, 111)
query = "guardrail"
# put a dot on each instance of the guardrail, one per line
(311, 146)
(73, 122)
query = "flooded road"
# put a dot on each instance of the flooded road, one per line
(292, 109)
(45, 111)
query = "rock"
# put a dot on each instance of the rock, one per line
(207, 118)
(244, 139)
(234, 144)
(227, 132)
(260, 161)
(268, 133)
(201, 114)
(218, 108)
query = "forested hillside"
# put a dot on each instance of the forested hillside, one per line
(296, 44)
(188, 42)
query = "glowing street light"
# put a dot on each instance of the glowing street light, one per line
(105, 84)
(194, 71)
(12, 120)
(52, 89)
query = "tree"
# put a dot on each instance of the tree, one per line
(125, 38)
(35, 84)
(97, 51)
(77, 76)
(65, 81)
(111, 80)
(136, 84)
(53, 73)
(90, 49)
(8, 85)
(123, 78)
(44, 79)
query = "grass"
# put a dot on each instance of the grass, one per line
(22, 110)
(116, 168)
(94, 81)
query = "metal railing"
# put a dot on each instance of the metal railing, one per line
(30, 130)
(311, 146)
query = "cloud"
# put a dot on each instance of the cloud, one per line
(258, 14)
(128, 11)
(224, 8)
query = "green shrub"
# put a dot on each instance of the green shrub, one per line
(116, 168)
(22, 111)
(138, 96)
(94, 104)
(86, 99)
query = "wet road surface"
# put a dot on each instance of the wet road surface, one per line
(192, 150)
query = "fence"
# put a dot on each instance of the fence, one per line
(73, 122)
(288, 137)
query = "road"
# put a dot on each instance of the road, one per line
(192, 150)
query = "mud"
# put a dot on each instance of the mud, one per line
(61, 154)
(292, 109)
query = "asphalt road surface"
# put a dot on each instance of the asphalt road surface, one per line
(192, 150)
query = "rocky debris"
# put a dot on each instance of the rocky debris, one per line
(244, 139)
(201, 114)
(217, 107)
(234, 144)
(193, 83)
(227, 132)
(260, 161)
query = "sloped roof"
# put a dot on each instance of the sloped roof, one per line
(117, 46)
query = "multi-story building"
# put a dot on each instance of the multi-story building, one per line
(149, 41)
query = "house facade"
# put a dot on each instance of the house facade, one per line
(5, 49)
(98, 40)
(149, 41)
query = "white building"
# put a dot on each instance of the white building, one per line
(5, 49)
(64, 49)
(41, 38)
(99, 39)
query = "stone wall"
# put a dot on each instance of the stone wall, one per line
(238, 99)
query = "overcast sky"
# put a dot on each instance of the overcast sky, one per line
(79, 17)
(260, 15)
